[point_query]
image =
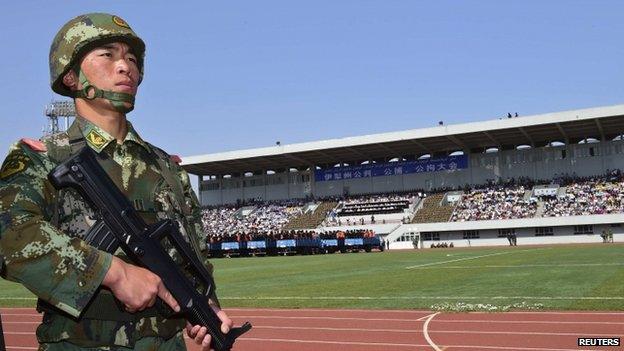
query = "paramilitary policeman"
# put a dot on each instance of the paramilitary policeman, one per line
(92, 299)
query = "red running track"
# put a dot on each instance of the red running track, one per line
(387, 330)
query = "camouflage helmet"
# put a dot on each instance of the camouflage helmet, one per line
(82, 34)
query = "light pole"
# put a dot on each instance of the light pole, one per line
(55, 109)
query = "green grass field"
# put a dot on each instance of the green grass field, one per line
(560, 277)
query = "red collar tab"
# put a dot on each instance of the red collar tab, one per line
(175, 158)
(35, 145)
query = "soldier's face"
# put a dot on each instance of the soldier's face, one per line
(110, 67)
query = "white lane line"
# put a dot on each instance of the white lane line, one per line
(332, 342)
(515, 348)
(472, 347)
(434, 297)
(332, 318)
(337, 310)
(407, 331)
(420, 320)
(513, 333)
(423, 317)
(403, 331)
(426, 332)
(525, 322)
(463, 259)
(589, 313)
(533, 265)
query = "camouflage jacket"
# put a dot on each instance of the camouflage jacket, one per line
(41, 229)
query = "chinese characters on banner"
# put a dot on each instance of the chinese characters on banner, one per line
(449, 163)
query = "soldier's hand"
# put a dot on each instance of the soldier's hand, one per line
(137, 288)
(200, 334)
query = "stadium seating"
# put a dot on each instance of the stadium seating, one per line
(514, 199)
(262, 217)
(311, 219)
(433, 210)
(598, 195)
(367, 205)
(494, 202)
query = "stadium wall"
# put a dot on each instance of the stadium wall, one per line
(529, 231)
(536, 163)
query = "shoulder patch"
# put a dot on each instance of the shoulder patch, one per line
(96, 139)
(175, 158)
(35, 145)
(15, 163)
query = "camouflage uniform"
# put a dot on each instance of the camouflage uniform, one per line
(41, 229)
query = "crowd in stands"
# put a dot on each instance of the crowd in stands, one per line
(264, 217)
(602, 194)
(367, 206)
(373, 208)
(509, 199)
(379, 198)
(337, 221)
(587, 196)
(495, 201)
(371, 204)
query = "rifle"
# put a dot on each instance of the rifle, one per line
(118, 224)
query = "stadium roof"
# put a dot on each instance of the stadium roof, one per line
(602, 123)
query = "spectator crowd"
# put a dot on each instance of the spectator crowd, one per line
(509, 199)
(263, 218)
(494, 202)
(587, 196)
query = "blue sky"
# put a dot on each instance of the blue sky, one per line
(239, 74)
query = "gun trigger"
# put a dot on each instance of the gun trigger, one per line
(164, 309)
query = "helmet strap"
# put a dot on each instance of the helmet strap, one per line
(90, 92)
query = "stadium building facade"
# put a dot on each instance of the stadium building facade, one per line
(583, 143)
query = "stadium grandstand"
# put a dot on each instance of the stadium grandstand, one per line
(549, 178)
